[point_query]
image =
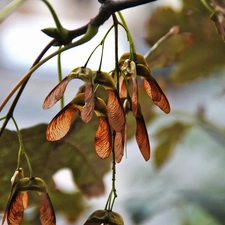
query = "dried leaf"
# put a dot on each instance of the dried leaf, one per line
(60, 124)
(156, 94)
(88, 108)
(16, 208)
(56, 93)
(47, 214)
(115, 110)
(103, 138)
(142, 136)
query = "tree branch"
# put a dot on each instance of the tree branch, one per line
(108, 7)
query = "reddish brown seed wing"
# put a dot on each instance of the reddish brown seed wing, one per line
(123, 88)
(134, 98)
(115, 110)
(16, 208)
(47, 214)
(156, 94)
(89, 100)
(56, 93)
(119, 145)
(142, 136)
(152, 88)
(103, 138)
(60, 124)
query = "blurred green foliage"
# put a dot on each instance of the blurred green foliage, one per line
(75, 152)
(206, 55)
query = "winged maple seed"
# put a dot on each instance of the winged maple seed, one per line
(142, 135)
(115, 110)
(129, 70)
(111, 117)
(16, 208)
(47, 215)
(18, 201)
(150, 84)
(116, 114)
(60, 124)
(14, 180)
(89, 103)
(119, 143)
(83, 73)
(56, 93)
(141, 130)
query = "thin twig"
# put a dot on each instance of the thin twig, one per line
(23, 85)
(108, 8)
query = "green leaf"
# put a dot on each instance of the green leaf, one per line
(75, 151)
(10, 8)
(206, 55)
(168, 137)
(168, 49)
(73, 204)
(215, 206)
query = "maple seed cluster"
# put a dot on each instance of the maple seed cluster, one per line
(18, 199)
(112, 113)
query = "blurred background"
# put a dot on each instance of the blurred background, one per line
(184, 181)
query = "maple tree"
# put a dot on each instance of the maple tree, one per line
(104, 102)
